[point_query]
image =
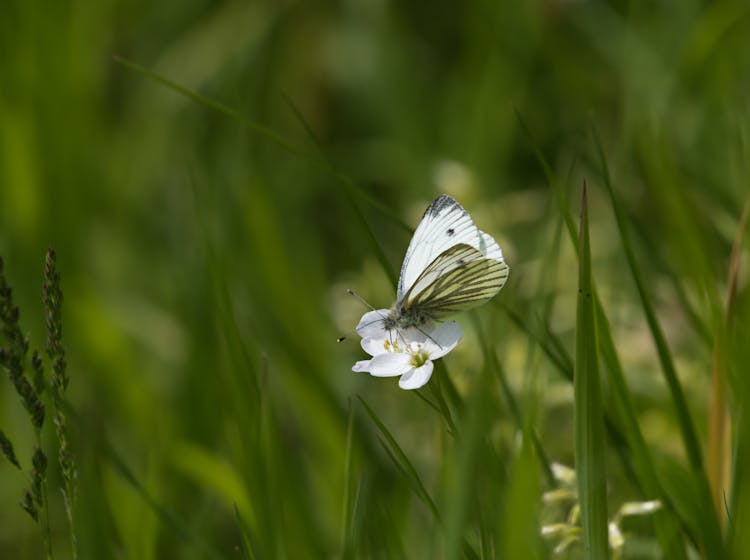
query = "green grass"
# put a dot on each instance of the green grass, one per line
(591, 466)
(214, 177)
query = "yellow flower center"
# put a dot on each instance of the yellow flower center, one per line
(391, 346)
(419, 358)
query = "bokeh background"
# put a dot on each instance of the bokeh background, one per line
(205, 261)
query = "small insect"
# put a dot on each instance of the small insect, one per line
(450, 266)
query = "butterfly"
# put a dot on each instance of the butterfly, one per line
(450, 266)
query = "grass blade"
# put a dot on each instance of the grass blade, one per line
(402, 462)
(347, 525)
(167, 518)
(556, 353)
(451, 428)
(687, 429)
(718, 455)
(245, 543)
(215, 105)
(708, 524)
(351, 189)
(443, 383)
(515, 410)
(665, 524)
(345, 181)
(739, 499)
(462, 466)
(631, 443)
(589, 412)
(549, 344)
(551, 179)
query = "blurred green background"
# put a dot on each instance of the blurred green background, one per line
(205, 265)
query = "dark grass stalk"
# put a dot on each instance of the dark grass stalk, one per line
(718, 451)
(53, 298)
(13, 356)
(13, 359)
(169, 519)
(6, 446)
(35, 497)
(591, 470)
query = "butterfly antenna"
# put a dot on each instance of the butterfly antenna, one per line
(428, 336)
(361, 299)
(364, 302)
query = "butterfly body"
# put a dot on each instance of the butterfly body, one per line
(450, 266)
(404, 316)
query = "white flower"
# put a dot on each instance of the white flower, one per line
(405, 352)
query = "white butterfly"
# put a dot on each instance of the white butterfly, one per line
(450, 266)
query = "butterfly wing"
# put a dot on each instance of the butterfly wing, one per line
(460, 278)
(445, 224)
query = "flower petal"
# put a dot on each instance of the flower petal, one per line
(371, 324)
(362, 365)
(443, 339)
(390, 364)
(416, 377)
(412, 334)
(375, 346)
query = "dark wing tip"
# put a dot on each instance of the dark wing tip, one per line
(439, 204)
